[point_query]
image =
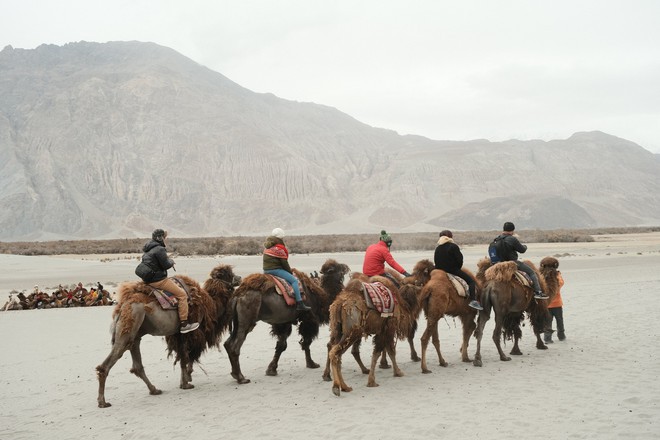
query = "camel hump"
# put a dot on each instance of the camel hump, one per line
(503, 272)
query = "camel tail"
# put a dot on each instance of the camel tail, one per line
(232, 317)
(486, 299)
(113, 327)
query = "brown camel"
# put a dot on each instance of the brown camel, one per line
(257, 300)
(510, 300)
(351, 319)
(438, 298)
(138, 314)
(420, 276)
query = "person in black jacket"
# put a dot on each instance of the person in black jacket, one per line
(510, 253)
(155, 257)
(448, 257)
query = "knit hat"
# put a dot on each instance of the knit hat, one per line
(385, 237)
(446, 233)
(508, 227)
(158, 235)
(278, 232)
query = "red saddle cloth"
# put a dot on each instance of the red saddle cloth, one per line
(284, 288)
(380, 297)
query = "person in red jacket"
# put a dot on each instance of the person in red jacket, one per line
(377, 255)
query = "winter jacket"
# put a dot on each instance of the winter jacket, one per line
(448, 256)
(155, 256)
(276, 255)
(513, 246)
(557, 301)
(375, 257)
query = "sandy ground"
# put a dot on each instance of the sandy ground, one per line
(601, 383)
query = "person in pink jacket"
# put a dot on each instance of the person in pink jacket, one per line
(377, 255)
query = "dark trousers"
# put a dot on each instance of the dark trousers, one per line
(558, 314)
(470, 282)
(528, 270)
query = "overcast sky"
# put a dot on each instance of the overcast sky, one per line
(455, 70)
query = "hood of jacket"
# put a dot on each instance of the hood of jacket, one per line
(152, 244)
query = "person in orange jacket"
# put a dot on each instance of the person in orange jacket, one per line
(556, 309)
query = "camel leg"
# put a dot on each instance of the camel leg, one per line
(383, 361)
(282, 331)
(245, 318)
(468, 328)
(425, 343)
(539, 342)
(326, 373)
(411, 341)
(497, 335)
(233, 348)
(186, 372)
(391, 352)
(186, 376)
(355, 351)
(484, 316)
(436, 344)
(138, 368)
(308, 331)
(335, 354)
(118, 348)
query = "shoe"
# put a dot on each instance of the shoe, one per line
(301, 306)
(187, 327)
(475, 305)
(548, 340)
(561, 336)
(540, 295)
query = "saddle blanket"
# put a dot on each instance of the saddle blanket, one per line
(166, 300)
(284, 288)
(523, 278)
(460, 284)
(380, 297)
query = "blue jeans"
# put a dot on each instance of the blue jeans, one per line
(289, 278)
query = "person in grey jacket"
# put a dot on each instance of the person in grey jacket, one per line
(155, 258)
(510, 253)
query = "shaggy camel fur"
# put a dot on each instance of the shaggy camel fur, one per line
(510, 300)
(351, 319)
(138, 314)
(439, 298)
(257, 300)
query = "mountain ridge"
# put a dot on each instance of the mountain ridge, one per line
(108, 140)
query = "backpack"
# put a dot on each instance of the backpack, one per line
(497, 250)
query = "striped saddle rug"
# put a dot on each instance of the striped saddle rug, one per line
(379, 298)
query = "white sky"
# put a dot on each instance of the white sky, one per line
(450, 70)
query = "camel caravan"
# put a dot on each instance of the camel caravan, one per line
(382, 302)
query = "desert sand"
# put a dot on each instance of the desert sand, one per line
(600, 383)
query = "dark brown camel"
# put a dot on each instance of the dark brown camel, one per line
(351, 319)
(256, 300)
(138, 314)
(438, 298)
(509, 299)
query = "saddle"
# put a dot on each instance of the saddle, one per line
(282, 287)
(166, 299)
(459, 284)
(523, 278)
(379, 298)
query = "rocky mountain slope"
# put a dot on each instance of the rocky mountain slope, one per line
(115, 139)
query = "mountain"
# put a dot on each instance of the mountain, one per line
(112, 140)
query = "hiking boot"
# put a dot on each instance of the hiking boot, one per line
(188, 327)
(302, 306)
(540, 295)
(475, 305)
